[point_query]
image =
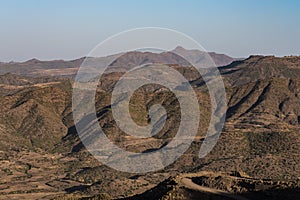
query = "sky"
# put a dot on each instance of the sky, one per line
(58, 29)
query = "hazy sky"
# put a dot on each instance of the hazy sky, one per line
(50, 29)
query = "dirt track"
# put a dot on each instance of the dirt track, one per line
(185, 181)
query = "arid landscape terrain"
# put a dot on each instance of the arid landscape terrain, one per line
(256, 157)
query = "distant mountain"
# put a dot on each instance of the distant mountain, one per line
(136, 58)
(174, 57)
(35, 67)
(198, 56)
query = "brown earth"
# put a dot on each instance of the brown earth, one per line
(41, 156)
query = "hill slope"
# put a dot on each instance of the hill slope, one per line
(41, 154)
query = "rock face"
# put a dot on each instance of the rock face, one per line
(260, 137)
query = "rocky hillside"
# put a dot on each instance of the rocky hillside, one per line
(261, 67)
(41, 154)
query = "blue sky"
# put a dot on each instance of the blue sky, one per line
(52, 29)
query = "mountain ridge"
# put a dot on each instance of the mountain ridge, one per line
(35, 67)
(40, 146)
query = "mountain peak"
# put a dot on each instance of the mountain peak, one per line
(33, 60)
(180, 48)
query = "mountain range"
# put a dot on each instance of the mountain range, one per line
(35, 67)
(256, 157)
